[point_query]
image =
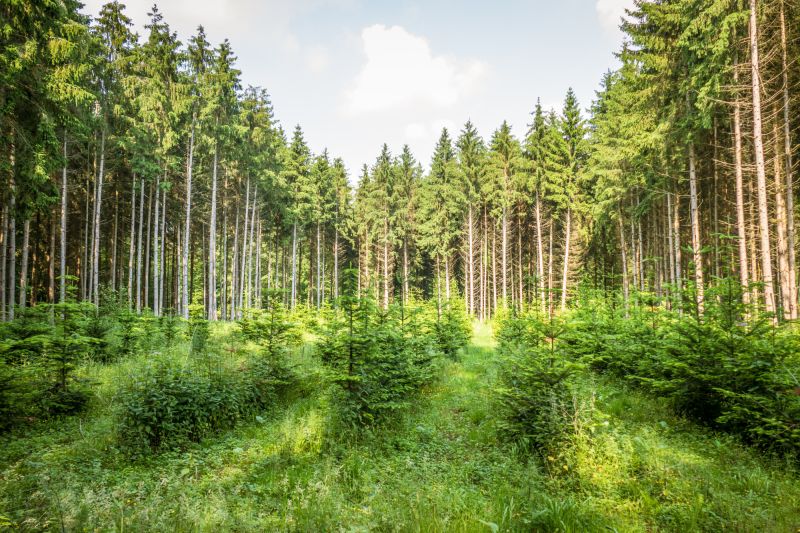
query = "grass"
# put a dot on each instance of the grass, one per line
(440, 467)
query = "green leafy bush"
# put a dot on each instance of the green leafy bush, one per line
(537, 403)
(378, 359)
(271, 328)
(166, 405)
(730, 368)
(452, 329)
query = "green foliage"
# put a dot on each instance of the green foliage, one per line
(538, 405)
(452, 330)
(728, 371)
(166, 405)
(198, 330)
(271, 327)
(377, 361)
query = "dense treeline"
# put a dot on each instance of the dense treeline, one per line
(140, 166)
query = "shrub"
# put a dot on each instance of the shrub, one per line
(271, 327)
(538, 408)
(376, 359)
(452, 329)
(166, 405)
(198, 330)
(731, 368)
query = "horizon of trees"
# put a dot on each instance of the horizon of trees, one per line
(140, 169)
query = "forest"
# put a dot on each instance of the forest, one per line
(589, 327)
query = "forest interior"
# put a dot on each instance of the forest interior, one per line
(205, 325)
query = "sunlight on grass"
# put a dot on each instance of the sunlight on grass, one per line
(442, 467)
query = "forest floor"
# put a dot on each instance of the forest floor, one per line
(440, 467)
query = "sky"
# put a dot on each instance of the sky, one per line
(356, 73)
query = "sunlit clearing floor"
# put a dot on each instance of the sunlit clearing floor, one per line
(441, 467)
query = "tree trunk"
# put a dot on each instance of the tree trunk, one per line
(98, 202)
(550, 272)
(696, 245)
(336, 264)
(786, 294)
(623, 252)
(12, 253)
(234, 264)
(504, 263)
(163, 250)
(741, 228)
(494, 267)
(51, 264)
(470, 264)
(676, 228)
(62, 291)
(187, 227)
(132, 243)
(565, 273)
(84, 261)
(539, 251)
(156, 254)
(294, 265)
(23, 274)
(250, 249)
(791, 280)
(761, 182)
(114, 241)
(3, 262)
(139, 249)
(319, 268)
(212, 241)
(386, 265)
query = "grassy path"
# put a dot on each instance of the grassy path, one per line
(441, 468)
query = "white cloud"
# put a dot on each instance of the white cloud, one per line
(317, 59)
(401, 71)
(429, 131)
(609, 12)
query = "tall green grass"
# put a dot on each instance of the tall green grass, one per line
(440, 467)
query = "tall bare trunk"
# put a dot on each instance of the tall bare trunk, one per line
(84, 270)
(234, 265)
(187, 227)
(539, 251)
(139, 249)
(250, 249)
(670, 244)
(156, 253)
(676, 229)
(163, 249)
(786, 294)
(51, 264)
(697, 254)
(761, 175)
(565, 273)
(62, 291)
(114, 242)
(12, 255)
(504, 252)
(386, 265)
(294, 265)
(470, 264)
(791, 280)
(23, 274)
(741, 228)
(3, 261)
(98, 202)
(336, 264)
(212, 241)
(624, 254)
(132, 243)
